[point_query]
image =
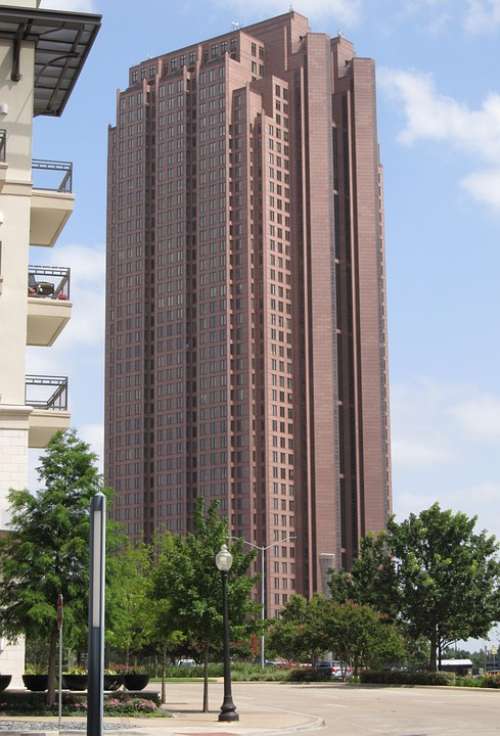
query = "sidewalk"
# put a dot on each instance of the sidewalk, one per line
(187, 720)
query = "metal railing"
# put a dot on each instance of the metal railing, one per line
(49, 282)
(47, 392)
(3, 144)
(57, 175)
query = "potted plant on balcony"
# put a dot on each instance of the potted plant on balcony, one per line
(75, 680)
(5, 682)
(35, 680)
(136, 679)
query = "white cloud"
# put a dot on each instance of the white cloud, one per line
(445, 440)
(83, 5)
(430, 115)
(419, 436)
(479, 500)
(94, 435)
(482, 16)
(344, 11)
(479, 417)
(417, 452)
(432, 15)
(484, 186)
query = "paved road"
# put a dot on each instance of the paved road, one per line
(351, 711)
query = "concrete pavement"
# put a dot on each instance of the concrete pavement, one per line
(274, 709)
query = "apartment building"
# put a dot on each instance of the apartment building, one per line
(41, 55)
(246, 346)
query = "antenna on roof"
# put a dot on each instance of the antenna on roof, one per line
(235, 25)
(290, 7)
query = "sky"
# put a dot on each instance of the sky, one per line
(439, 127)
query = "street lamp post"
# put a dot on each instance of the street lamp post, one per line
(96, 615)
(223, 561)
(263, 551)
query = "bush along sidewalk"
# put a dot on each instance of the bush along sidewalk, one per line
(428, 678)
(115, 704)
(407, 678)
(240, 672)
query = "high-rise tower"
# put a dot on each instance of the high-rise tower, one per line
(246, 351)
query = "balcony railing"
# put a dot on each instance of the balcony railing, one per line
(54, 176)
(47, 392)
(48, 282)
(3, 144)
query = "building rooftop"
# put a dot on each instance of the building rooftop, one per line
(62, 43)
(456, 663)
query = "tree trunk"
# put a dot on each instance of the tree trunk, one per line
(432, 659)
(440, 653)
(163, 683)
(51, 691)
(205, 680)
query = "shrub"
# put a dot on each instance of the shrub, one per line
(490, 681)
(309, 675)
(397, 677)
(214, 670)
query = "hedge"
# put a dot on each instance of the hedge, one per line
(397, 677)
(309, 675)
(21, 701)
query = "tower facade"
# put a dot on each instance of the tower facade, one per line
(246, 356)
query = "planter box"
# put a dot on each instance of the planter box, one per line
(5, 682)
(75, 683)
(36, 683)
(135, 682)
(113, 682)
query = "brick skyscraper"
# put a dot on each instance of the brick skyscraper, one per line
(246, 355)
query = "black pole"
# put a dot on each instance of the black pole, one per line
(96, 616)
(228, 708)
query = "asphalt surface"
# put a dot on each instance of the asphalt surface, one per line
(363, 711)
(272, 709)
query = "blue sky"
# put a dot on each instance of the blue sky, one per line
(439, 129)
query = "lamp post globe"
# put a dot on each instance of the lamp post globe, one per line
(224, 559)
(223, 562)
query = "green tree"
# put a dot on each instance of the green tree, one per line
(373, 580)
(448, 577)
(187, 588)
(131, 622)
(434, 574)
(46, 551)
(301, 632)
(360, 637)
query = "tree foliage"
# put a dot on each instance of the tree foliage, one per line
(357, 634)
(301, 631)
(433, 573)
(187, 587)
(46, 551)
(131, 621)
(362, 638)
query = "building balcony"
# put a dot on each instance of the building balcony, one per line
(52, 200)
(48, 395)
(49, 307)
(3, 154)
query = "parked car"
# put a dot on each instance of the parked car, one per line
(186, 662)
(338, 670)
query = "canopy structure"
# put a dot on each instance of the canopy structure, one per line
(62, 42)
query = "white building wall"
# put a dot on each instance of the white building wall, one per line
(15, 204)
